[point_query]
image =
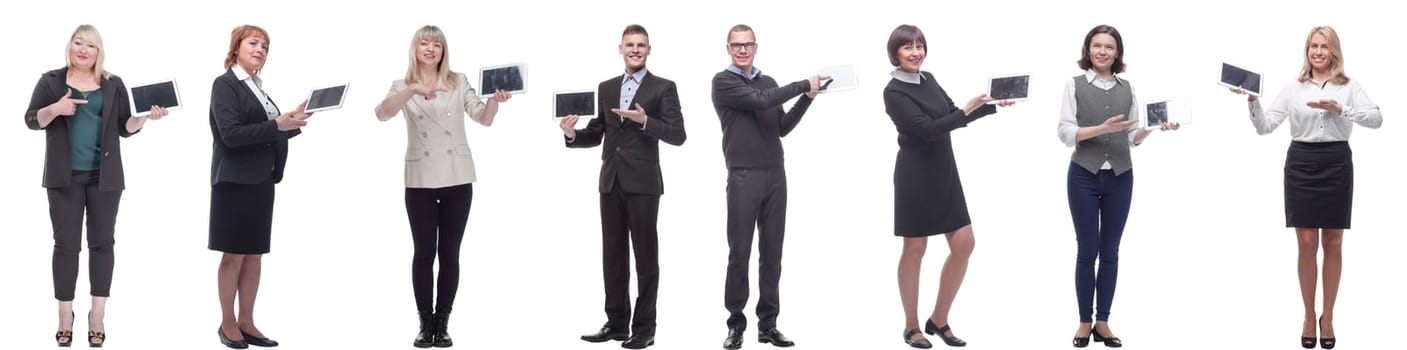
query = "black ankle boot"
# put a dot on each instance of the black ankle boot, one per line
(426, 337)
(442, 339)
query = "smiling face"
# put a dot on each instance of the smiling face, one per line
(1103, 51)
(429, 52)
(635, 48)
(82, 53)
(742, 47)
(911, 56)
(253, 51)
(1319, 53)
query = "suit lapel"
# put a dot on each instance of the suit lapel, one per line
(612, 99)
(109, 99)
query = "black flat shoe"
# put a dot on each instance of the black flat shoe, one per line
(638, 342)
(426, 337)
(1081, 342)
(921, 342)
(1113, 342)
(734, 341)
(942, 333)
(257, 341)
(607, 333)
(232, 344)
(442, 339)
(774, 337)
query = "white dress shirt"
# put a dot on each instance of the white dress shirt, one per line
(1068, 124)
(1317, 125)
(256, 85)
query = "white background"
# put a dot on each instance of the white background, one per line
(1205, 258)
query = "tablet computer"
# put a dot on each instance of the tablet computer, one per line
(326, 98)
(1237, 77)
(158, 93)
(1010, 87)
(509, 77)
(582, 103)
(1155, 113)
(842, 78)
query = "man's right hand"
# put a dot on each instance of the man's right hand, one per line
(568, 126)
(66, 106)
(815, 82)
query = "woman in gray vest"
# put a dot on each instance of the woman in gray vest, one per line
(928, 198)
(1322, 105)
(1098, 117)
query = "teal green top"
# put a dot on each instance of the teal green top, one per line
(85, 130)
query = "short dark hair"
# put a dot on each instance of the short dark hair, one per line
(903, 35)
(738, 29)
(635, 29)
(1086, 63)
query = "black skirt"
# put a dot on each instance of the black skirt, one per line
(241, 217)
(1319, 185)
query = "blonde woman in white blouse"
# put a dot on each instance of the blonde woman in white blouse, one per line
(1321, 105)
(439, 171)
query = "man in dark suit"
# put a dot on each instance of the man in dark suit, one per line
(749, 106)
(631, 184)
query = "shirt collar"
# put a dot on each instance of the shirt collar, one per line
(739, 71)
(242, 75)
(1090, 76)
(639, 76)
(911, 78)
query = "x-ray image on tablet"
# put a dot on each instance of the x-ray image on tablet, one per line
(1155, 113)
(581, 103)
(509, 77)
(1013, 87)
(326, 98)
(842, 77)
(160, 93)
(1237, 77)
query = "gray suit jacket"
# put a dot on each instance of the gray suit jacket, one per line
(58, 166)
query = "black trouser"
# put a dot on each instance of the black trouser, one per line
(66, 208)
(437, 218)
(757, 197)
(628, 218)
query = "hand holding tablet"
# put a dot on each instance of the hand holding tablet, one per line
(154, 99)
(841, 78)
(581, 103)
(1007, 89)
(512, 78)
(326, 98)
(1166, 114)
(1240, 79)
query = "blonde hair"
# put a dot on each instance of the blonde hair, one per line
(90, 34)
(1336, 72)
(434, 35)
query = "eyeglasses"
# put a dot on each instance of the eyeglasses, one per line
(735, 47)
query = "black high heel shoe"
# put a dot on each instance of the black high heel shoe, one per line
(95, 339)
(942, 333)
(1326, 342)
(1308, 342)
(1112, 342)
(65, 338)
(921, 342)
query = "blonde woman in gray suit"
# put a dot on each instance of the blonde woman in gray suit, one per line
(439, 170)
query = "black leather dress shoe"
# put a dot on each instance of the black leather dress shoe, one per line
(772, 335)
(638, 342)
(734, 340)
(232, 344)
(607, 333)
(257, 341)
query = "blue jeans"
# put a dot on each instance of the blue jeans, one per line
(1099, 207)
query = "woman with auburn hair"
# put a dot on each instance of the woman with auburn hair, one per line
(439, 171)
(1322, 105)
(84, 112)
(250, 149)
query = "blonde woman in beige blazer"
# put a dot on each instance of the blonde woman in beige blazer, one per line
(439, 171)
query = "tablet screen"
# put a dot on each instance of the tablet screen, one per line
(161, 93)
(507, 78)
(1156, 114)
(1234, 76)
(1010, 87)
(580, 103)
(326, 98)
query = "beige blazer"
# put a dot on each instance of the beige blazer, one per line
(437, 152)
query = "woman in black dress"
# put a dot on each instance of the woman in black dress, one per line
(928, 198)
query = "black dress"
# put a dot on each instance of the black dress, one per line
(928, 197)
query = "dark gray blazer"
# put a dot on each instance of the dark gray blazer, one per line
(248, 147)
(58, 162)
(628, 153)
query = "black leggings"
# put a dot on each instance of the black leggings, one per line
(437, 218)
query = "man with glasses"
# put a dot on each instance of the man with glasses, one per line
(646, 111)
(749, 105)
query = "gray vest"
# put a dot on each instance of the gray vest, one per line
(1092, 107)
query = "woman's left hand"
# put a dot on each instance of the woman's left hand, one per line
(501, 96)
(1327, 105)
(1169, 126)
(157, 112)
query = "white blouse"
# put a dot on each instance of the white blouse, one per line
(1317, 125)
